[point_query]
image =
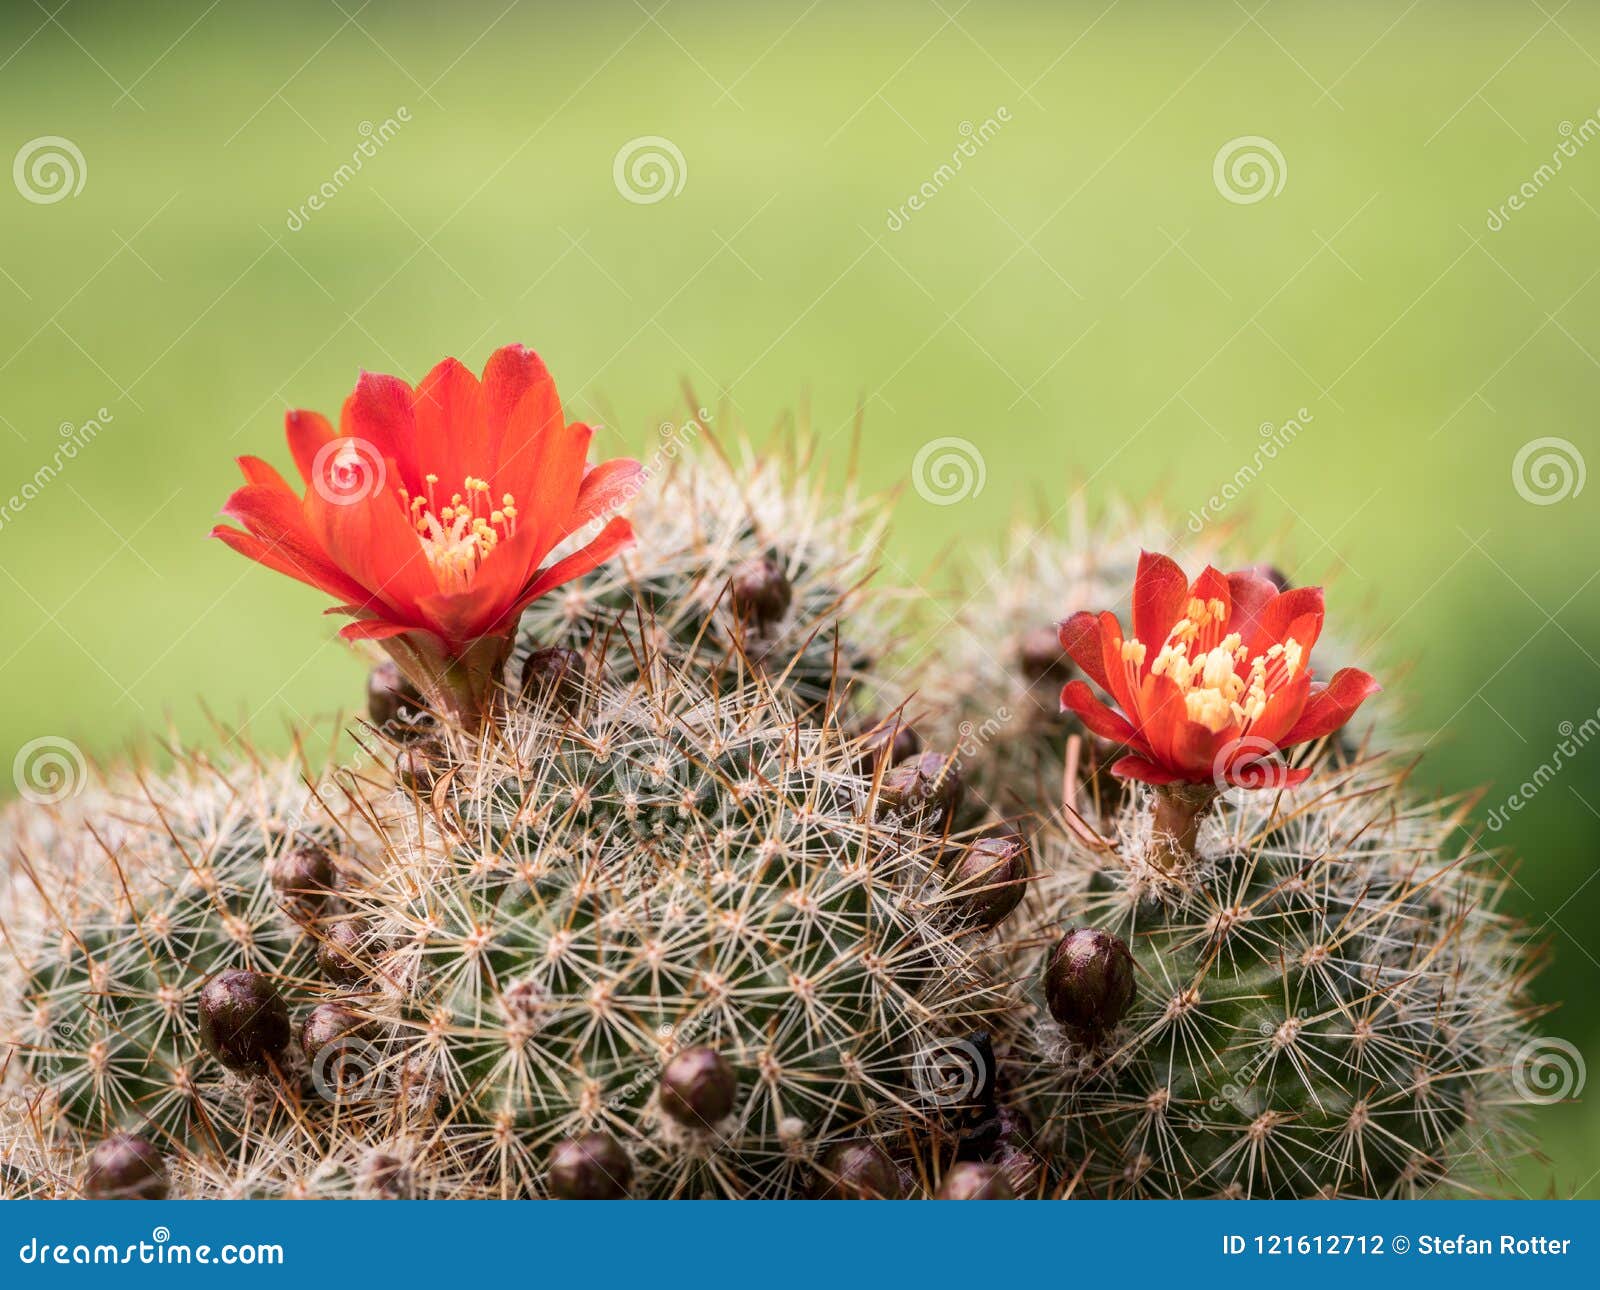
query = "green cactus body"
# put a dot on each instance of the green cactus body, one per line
(676, 866)
(1327, 1005)
(705, 520)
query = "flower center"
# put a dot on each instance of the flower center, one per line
(1221, 684)
(458, 536)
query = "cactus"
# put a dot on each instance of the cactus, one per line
(668, 924)
(155, 891)
(745, 564)
(1324, 1002)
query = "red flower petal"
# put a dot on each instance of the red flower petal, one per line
(379, 412)
(1285, 612)
(612, 538)
(451, 439)
(557, 460)
(1250, 594)
(1160, 595)
(1211, 585)
(373, 541)
(1080, 637)
(1135, 767)
(292, 561)
(510, 373)
(606, 487)
(256, 471)
(373, 629)
(534, 419)
(1077, 697)
(308, 433)
(1333, 705)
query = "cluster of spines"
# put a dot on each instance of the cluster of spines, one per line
(635, 869)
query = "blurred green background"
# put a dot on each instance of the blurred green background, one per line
(1082, 302)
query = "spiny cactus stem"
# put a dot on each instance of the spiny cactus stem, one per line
(1180, 810)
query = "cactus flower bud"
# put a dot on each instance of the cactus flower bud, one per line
(328, 1023)
(1089, 981)
(928, 782)
(591, 1167)
(970, 1180)
(1040, 656)
(344, 953)
(555, 676)
(990, 878)
(243, 1021)
(858, 1171)
(888, 738)
(125, 1167)
(304, 878)
(761, 591)
(394, 705)
(698, 1088)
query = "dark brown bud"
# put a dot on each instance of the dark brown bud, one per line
(761, 592)
(591, 1167)
(970, 1180)
(243, 1021)
(1040, 656)
(418, 766)
(890, 739)
(394, 705)
(926, 784)
(858, 1171)
(304, 878)
(1272, 574)
(125, 1167)
(555, 676)
(328, 1023)
(386, 1177)
(1089, 981)
(698, 1088)
(345, 954)
(990, 878)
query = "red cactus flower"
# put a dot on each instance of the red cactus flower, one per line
(1214, 681)
(431, 513)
